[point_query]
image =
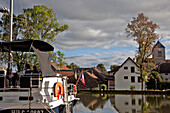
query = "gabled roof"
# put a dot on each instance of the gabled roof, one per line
(92, 75)
(131, 60)
(158, 44)
(102, 75)
(66, 72)
(124, 63)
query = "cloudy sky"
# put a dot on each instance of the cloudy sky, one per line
(97, 27)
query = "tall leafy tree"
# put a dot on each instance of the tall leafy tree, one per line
(101, 66)
(113, 66)
(144, 33)
(18, 23)
(154, 80)
(72, 66)
(61, 60)
(39, 22)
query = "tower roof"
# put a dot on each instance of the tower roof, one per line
(160, 45)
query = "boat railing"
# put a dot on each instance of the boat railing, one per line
(28, 81)
(14, 89)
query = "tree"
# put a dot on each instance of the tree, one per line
(113, 66)
(73, 66)
(144, 33)
(60, 59)
(101, 66)
(154, 80)
(39, 22)
(18, 57)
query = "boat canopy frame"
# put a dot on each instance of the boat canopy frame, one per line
(37, 46)
(25, 45)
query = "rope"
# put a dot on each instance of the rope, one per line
(29, 51)
(46, 108)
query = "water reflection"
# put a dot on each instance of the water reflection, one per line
(128, 103)
(122, 103)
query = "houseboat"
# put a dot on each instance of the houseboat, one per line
(41, 92)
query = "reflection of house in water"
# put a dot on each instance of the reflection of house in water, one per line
(112, 100)
(93, 101)
(128, 103)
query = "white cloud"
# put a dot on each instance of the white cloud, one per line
(101, 24)
(116, 57)
(97, 33)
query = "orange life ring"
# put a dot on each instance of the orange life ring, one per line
(58, 89)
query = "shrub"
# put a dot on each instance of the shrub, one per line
(132, 87)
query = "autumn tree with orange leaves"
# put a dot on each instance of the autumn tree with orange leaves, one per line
(144, 33)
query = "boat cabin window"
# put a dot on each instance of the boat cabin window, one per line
(2, 73)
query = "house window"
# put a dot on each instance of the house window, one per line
(166, 73)
(125, 77)
(139, 79)
(132, 79)
(132, 69)
(126, 103)
(159, 53)
(125, 68)
(139, 101)
(133, 101)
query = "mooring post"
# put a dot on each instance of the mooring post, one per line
(66, 95)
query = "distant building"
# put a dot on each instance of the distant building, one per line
(95, 77)
(158, 54)
(164, 70)
(64, 71)
(127, 76)
(159, 59)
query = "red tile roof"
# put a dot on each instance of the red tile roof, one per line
(63, 67)
(66, 73)
(92, 75)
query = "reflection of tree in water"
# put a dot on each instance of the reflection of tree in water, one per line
(93, 101)
(127, 103)
(112, 100)
(158, 104)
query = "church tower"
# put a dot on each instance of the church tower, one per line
(158, 53)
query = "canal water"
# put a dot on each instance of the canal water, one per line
(110, 103)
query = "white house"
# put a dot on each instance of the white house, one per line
(127, 76)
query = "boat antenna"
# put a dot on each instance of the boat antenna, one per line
(10, 39)
(11, 19)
